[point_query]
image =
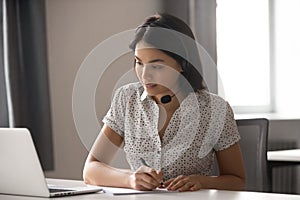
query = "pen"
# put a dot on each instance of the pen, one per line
(144, 162)
(147, 165)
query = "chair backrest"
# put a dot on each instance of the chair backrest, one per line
(254, 147)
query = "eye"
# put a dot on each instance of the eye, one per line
(138, 63)
(157, 66)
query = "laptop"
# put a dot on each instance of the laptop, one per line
(20, 169)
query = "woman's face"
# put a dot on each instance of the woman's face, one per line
(158, 72)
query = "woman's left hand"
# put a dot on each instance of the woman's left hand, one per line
(184, 183)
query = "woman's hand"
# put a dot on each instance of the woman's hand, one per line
(184, 183)
(145, 178)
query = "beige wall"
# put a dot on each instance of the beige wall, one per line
(74, 28)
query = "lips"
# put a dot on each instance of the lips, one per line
(150, 85)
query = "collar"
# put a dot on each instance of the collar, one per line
(144, 95)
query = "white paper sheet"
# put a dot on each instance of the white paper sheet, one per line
(125, 191)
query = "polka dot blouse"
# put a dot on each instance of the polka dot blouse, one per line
(202, 124)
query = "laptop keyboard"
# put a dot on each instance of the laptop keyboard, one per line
(53, 190)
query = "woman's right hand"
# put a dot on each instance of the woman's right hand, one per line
(145, 178)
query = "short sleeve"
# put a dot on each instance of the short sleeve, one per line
(115, 116)
(230, 134)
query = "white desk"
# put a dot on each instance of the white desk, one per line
(201, 194)
(292, 155)
(284, 158)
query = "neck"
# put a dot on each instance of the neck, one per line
(176, 99)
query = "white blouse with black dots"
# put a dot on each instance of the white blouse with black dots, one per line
(203, 123)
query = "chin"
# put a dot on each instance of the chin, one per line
(150, 93)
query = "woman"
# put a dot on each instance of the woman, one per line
(168, 124)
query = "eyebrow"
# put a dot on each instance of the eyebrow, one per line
(152, 61)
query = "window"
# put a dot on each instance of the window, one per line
(243, 54)
(258, 46)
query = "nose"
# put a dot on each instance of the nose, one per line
(146, 73)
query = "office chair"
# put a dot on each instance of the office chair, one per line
(254, 146)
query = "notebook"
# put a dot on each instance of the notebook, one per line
(20, 169)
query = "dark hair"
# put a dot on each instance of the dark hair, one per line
(175, 38)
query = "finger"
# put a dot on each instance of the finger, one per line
(146, 186)
(144, 168)
(185, 187)
(151, 172)
(140, 187)
(196, 187)
(174, 182)
(177, 185)
(156, 176)
(160, 174)
(148, 178)
(168, 182)
(144, 182)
